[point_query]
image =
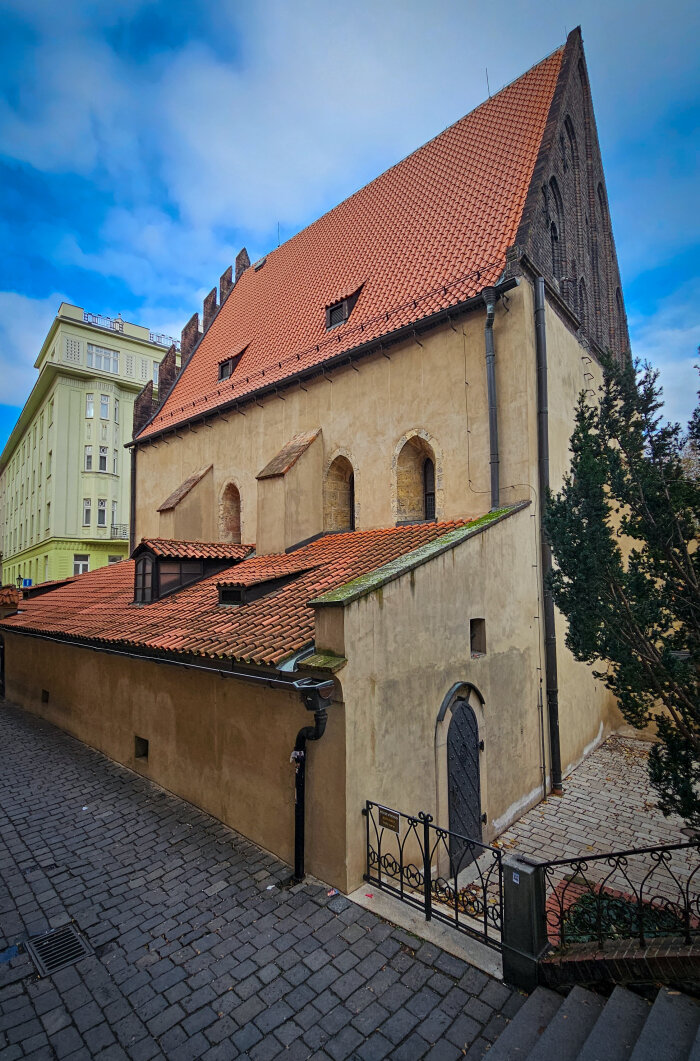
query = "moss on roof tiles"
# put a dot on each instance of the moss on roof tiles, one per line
(375, 580)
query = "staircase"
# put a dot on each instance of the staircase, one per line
(586, 1027)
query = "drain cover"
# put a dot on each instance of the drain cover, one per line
(55, 950)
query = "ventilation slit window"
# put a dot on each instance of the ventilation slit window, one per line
(477, 637)
(338, 312)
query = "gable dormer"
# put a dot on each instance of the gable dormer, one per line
(162, 566)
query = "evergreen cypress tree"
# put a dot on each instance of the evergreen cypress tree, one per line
(624, 535)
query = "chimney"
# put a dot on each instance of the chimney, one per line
(225, 284)
(189, 338)
(242, 263)
(209, 309)
(167, 373)
(144, 407)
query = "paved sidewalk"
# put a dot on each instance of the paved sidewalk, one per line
(194, 956)
(608, 805)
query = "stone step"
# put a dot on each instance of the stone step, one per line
(527, 1025)
(670, 1028)
(617, 1029)
(569, 1028)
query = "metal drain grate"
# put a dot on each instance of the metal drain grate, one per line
(57, 949)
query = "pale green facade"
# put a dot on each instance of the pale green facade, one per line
(65, 476)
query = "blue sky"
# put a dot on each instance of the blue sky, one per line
(143, 143)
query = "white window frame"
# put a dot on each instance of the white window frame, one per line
(88, 459)
(104, 407)
(81, 563)
(104, 452)
(89, 406)
(102, 512)
(115, 462)
(87, 511)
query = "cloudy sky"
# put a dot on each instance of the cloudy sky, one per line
(143, 143)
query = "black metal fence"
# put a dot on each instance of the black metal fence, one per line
(451, 878)
(642, 894)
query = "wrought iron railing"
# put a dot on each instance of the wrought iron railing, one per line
(642, 894)
(119, 530)
(164, 340)
(452, 878)
(112, 324)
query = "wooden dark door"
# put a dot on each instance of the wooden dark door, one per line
(463, 784)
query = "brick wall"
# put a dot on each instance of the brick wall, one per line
(566, 230)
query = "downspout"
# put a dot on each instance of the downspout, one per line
(550, 636)
(489, 296)
(319, 704)
(132, 501)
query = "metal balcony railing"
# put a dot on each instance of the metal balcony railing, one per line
(120, 530)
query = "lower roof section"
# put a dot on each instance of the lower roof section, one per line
(98, 607)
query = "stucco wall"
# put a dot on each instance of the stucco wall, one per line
(220, 743)
(437, 388)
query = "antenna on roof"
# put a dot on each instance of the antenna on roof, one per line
(488, 87)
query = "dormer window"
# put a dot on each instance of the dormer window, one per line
(175, 573)
(228, 367)
(237, 593)
(143, 583)
(338, 312)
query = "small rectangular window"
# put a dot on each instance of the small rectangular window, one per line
(44, 696)
(140, 748)
(103, 458)
(81, 563)
(114, 559)
(477, 637)
(155, 373)
(87, 511)
(101, 512)
(89, 406)
(88, 458)
(116, 410)
(114, 514)
(104, 407)
(115, 459)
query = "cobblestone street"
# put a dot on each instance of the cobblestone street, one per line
(196, 955)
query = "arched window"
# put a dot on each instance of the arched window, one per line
(415, 481)
(230, 515)
(556, 230)
(428, 489)
(339, 496)
(143, 583)
(556, 251)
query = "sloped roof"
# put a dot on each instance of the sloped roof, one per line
(428, 234)
(98, 606)
(174, 499)
(170, 549)
(288, 455)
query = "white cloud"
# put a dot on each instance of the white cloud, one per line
(24, 323)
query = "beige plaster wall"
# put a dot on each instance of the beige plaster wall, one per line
(436, 390)
(220, 743)
(290, 506)
(195, 518)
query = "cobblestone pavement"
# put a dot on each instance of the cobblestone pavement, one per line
(608, 805)
(194, 956)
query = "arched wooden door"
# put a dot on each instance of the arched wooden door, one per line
(463, 782)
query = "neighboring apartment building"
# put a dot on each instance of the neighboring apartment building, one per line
(64, 474)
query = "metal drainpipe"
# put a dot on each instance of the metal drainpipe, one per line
(489, 296)
(550, 637)
(132, 502)
(319, 704)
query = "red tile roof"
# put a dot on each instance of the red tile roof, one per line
(169, 549)
(427, 234)
(98, 606)
(9, 597)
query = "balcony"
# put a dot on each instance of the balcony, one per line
(120, 530)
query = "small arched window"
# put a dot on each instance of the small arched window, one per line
(428, 489)
(583, 302)
(339, 496)
(415, 482)
(143, 583)
(230, 515)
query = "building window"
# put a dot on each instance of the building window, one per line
(230, 515)
(114, 513)
(116, 410)
(48, 516)
(338, 312)
(141, 749)
(81, 564)
(101, 512)
(104, 407)
(89, 406)
(175, 573)
(477, 637)
(428, 488)
(102, 359)
(143, 587)
(155, 373)
(339, 496)
(115, 459)
(415, 482)
(103, 458)
(114, 559)
(87, 511)
(88, 458)
(228, 367)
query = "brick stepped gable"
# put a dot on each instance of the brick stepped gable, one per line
(586, 1027)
